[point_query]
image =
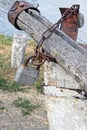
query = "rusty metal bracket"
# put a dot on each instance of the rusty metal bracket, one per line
(70, 25)
(16, 9)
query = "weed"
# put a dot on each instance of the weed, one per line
(25, 105)
(2, 108)
(15, 87)
(10, 86)
(4, 68)
(38, 85)
(31, 43)
(5, 40)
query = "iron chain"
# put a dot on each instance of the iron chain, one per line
(50, 30)
(41, 56)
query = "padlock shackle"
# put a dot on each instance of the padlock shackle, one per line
(30, 58)
(33, 58)
(41, 61)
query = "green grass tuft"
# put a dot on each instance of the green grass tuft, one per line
(38, 85)
(5, 40)
(2, 108)
(31, 43)
(10, 86)
(25, 105)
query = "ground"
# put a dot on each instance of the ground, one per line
(11, 116)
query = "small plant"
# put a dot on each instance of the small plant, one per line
(4, 68)
(31, 43)
(5, 40)
(25, 105)
(38, 85)
(2, 108)
(15, 87)
(10, 86)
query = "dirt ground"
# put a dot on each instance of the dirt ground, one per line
(11, 117)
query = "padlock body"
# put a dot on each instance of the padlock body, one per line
(26, 75)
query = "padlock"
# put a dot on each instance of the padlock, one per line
(27, 74)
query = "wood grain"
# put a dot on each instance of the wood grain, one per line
(67, 53)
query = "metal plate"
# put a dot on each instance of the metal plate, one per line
(26, 75)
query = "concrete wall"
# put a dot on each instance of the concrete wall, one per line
(66, 108)
(18, 50)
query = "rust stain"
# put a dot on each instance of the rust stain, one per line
(70, 25)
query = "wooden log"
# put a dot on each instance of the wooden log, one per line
(69, 55)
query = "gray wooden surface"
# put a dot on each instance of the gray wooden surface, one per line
(71, 57)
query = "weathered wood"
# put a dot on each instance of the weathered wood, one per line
(69, 55)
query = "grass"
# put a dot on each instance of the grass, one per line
(38, 85)
(6, 72)
(7, 76)
(26, 106)
(10, 86)
(5, 40)
(2, 108)
(31, 43)
(5, 68)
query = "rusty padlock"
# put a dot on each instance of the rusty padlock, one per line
(27, 73)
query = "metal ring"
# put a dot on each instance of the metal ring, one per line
(38, 63)
(31, 57)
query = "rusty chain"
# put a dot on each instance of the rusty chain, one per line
(41, 56)
(50, 30)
